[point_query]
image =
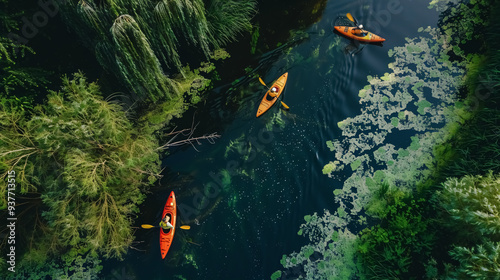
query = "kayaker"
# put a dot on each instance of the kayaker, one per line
(358, 30)
(165, 223)
(274, 92)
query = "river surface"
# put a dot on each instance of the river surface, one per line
(245, 204)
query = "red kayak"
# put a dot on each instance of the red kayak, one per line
(166, 236)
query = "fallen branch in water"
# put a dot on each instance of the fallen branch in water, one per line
(138, 242)
(193, 242)
(188, 133)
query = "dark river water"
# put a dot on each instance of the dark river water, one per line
(246, 195)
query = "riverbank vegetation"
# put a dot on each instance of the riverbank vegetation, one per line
(432, 207)
(89, 165)
(448, 228)
(85, 156)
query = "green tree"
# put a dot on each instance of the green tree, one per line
(140, 41)
(478, 262)
(471, 202)
(88, 162)
(137, 62)
(471, 213)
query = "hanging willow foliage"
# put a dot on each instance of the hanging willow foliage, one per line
(183, 19)
(139, 66)
(225, 22)
(140, 40)
(186, 16)
(89, 13)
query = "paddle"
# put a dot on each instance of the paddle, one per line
(146, 226)
(282, 103)
(353, 19)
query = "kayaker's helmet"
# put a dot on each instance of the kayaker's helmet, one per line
(274, 89)
(360, 26)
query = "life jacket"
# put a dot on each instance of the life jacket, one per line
(359, 32)
(273, 94)
(165, 225)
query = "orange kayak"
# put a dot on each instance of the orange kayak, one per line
(166, 236)
(269, 101)
(368, 36)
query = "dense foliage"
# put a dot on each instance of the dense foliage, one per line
(82, 165)
(472, 214)
(85, 165)
(88, 162)
(456, 225)
(140, 41)
(400, 244)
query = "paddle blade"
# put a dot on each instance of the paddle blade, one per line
(262, 82)
(284, 105)
(147, 226)
(185, 227)
(350, 17)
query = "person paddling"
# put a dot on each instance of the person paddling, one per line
(165, 223)
(274, 92)
(358, 30)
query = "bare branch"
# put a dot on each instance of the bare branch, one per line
(192, 140)
(188, 133)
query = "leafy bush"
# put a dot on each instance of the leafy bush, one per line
(88, 162)
(397, 246)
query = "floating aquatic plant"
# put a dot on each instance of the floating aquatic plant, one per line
(331, 244)
(414, 97)
(399, 101)
(441, 5)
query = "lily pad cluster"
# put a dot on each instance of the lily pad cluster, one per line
(405, 113)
